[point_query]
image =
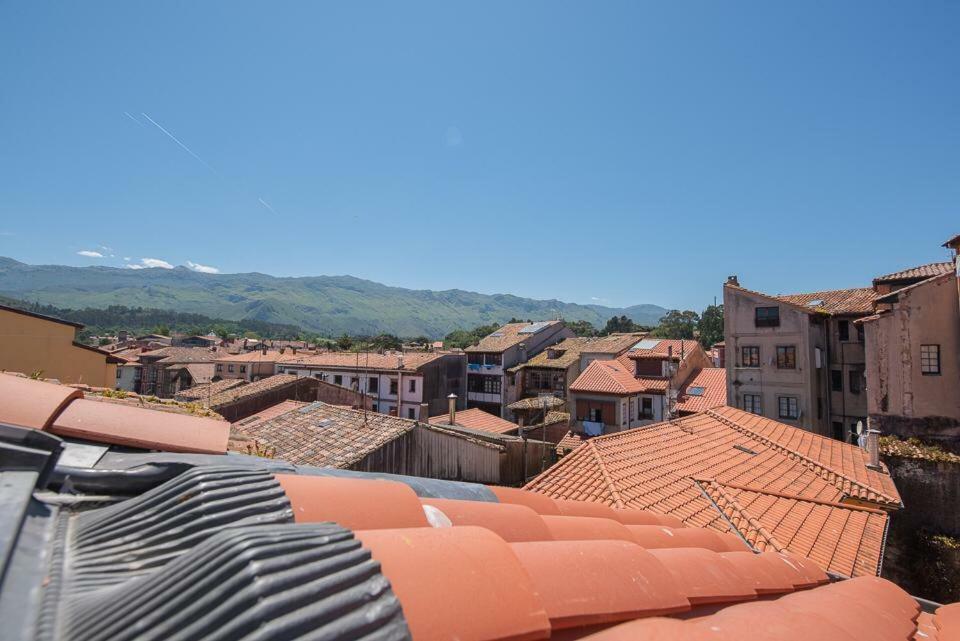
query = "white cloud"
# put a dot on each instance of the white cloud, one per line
(126, 258)
(146, 263)
(89, 254)
(453, 137)
(206, 269)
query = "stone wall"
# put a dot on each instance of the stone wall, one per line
(942, 431)
(922, 553)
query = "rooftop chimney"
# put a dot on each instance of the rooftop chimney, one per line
(452, 408)
(424, 412)
(732, 280)
(873, 448)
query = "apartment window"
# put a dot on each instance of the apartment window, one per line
(767, 317)
(859, 327)
(484, 384)
(354, 383)
(633, 409)
(413, 385)
(119, 372)
(819, 408)
(838, 431)
(493, 359)
(836, 380)
(219, 367)
(373, 384)
(338, 379)
(787, 407)
(319, 377)
(243, 369)
(843, 327)
(595, 415)
(856, 377)
(930, 360)
(751, 403)
(750, 356)
(393, 386)
(475, 358)
(646, 408)
(786, 357)
(374, 407)
(229, 368)
(411, 413)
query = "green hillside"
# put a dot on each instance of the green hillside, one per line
(330, 305)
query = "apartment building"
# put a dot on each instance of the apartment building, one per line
(168, 370)
(490, 386)
(798, 358)
(397, 383)
(913, 352)
(250, 366)
(653, 381)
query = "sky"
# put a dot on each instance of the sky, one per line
(611, 153)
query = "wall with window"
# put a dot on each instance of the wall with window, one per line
(913, 352)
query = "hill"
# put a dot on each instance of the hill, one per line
(330, 305)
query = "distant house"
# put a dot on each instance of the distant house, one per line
(475, 419)
(489, 361)
(169, 370)
(649, 383)
(397, 383)
(236, 399)
(249, 366)
(195, 341)
(37, 344)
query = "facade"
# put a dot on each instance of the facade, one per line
(638, 388)
(490, 386)
(168, 370)
(128, 376)
(398, 384)
(249, 366)
(913, 351)
(36, 344)
(798, 358)
(195, 341)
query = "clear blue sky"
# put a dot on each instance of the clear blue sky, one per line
(593, 152)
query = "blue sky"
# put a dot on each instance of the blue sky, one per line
(593, 152)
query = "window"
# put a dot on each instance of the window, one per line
(930, 360)
(787, 406)
(595, 415)
(393, 386)
(243, 369)
(229, 368)
(750, 356)
(633, 409)
(836, 380)
(492, 359)
(767, 317)
(751, 403)
(623, 413)
(843, 327)
(646, 408)
(856, 377)
(319, 377)
(119, 372)
(374, 407)
(219, 367)
(859, 327)
(838, 430)
(484, 384)
(411, 413)
(819, 408)
(786, 357)
(475, 358)
(373, 384)
(354, 383)
(413, 385)
(338, 379)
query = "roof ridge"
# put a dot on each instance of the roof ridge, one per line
(796, 497)
(825, 472)
(742, 511)
(606, 475)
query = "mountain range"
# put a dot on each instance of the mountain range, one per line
(330, 305)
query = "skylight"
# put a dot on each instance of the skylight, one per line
(647, 343)
(533, 328)
(696, 391)
(816, 302)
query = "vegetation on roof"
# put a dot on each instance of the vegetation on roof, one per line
(916, 449)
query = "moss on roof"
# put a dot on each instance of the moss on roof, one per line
(916, 449)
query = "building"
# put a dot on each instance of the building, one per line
(45, 346)
(398, 383)
(775, 485)
(210, 340)
(798, 358)
(647, 384)
(913, 355)
(250, 366)
(475, 419)
(215, 546)
(555, 368)
(168, 370)
(236, 402)
(488, 362)
(129, 373)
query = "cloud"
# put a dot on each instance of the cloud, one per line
(7, 233)
(89, 254)
(146, 263)
(453, 137)
(205, 269)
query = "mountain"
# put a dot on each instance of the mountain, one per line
(330, 305)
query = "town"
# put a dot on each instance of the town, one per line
(823, 424)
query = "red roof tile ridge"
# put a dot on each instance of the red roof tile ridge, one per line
(783, 495)
(606, 476)
(734, 505)
(824, 471)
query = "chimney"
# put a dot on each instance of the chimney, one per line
(424, 412)
(452, 405)
(733, 280)
(873, 448)
(399, 361)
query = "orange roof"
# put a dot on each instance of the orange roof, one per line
(922, 271)
(508, 335)
(365, 360)
(255, 356)
(837, 301)
(663, 347)
(655, 468)
(477, 419)
(712, 392)
(271, 412)
(608, 377)
(570, 441)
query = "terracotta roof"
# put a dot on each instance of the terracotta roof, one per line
(233, 394)
(904, 291)
(208, 390)
(922, 271)
(326, 435)
(271, 412)
(655, 467)
(572, 348)
(477, 419)
(663, 347)
(364, 360)
(507, 336)
(536, 403)
(570, 441)
(200, 373)
(608, 377)
(705, 388)
(255, 356)
(838, 301)
(181, 355)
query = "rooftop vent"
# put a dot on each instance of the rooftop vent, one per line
(306, 409)
(745, 449)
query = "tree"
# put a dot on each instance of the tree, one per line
(461, 338)
(582, 328)
(344, 342)
(620, 325)
(711, 326)
(385, 341)
(677, 325)
(161, 329)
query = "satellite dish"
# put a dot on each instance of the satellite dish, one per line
(859, 428)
